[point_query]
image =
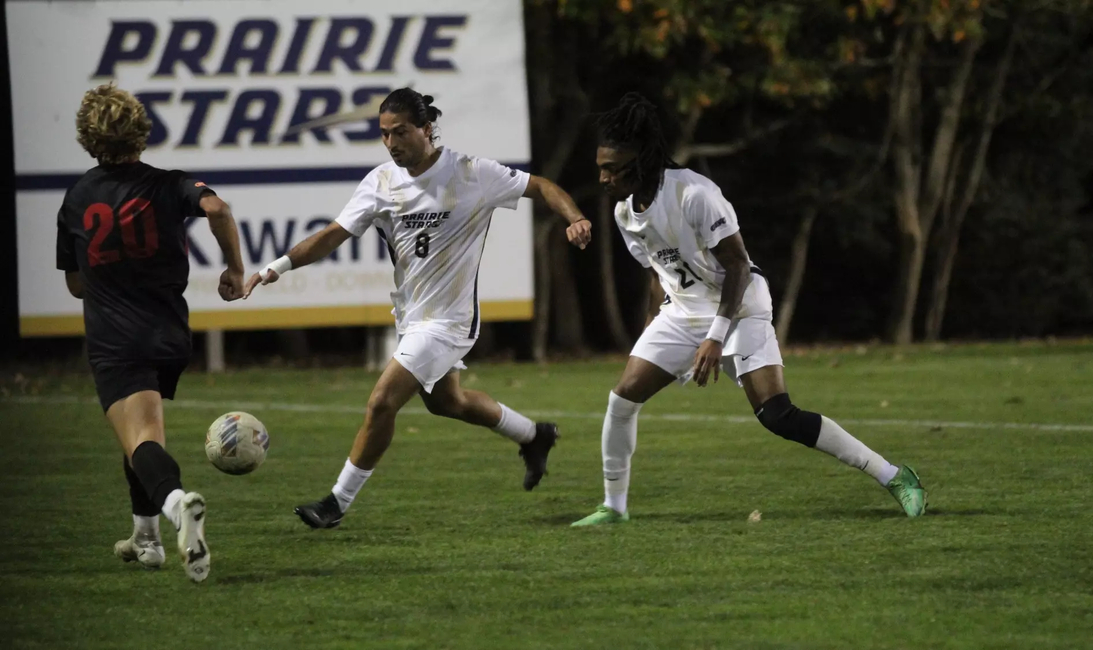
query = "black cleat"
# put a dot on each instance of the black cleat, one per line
(321, 514)
(535, 453)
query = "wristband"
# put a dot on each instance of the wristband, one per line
(280, 266)
(719, 330)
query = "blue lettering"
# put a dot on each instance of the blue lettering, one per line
(115, 51)
(176, 51)
(257, 54)
(260, 125)
(158, 134)
(394, 40)
(431, 39)
(202, 100)
(331, 99)
(349, 54)
(258, 253)
(296, 47)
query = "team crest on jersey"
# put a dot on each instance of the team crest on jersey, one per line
(668, 255)
(424, 219)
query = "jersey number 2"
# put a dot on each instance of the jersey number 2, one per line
(99, 217)
(684, 281)
(421, 249)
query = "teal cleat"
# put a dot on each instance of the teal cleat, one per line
(603, 515)
(908, 490)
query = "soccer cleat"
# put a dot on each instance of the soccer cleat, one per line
(908, 490)
(191, 537)
(602, 516)
(324, 513)
(141, 548)
(535, 453)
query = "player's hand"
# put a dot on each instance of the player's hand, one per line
(231, 285)
(580, 233)
(256, 279)
(707, 358)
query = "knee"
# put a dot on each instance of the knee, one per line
(382, 405)
(629, 390)
(781, 417)
(448, 406)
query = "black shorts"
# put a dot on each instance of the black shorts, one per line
(116, 379)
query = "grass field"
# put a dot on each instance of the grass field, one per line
(443, 549)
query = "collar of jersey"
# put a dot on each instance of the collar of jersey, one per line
(407, 178)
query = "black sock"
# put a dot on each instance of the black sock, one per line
(143, 505)
(158, 472)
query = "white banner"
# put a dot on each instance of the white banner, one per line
(273, 103)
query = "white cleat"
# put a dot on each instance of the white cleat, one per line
(145, 549)
(191, 537)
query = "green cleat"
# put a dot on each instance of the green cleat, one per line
(908, 490)
(603, 515)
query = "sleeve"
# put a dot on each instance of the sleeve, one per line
(192, 189)
(502, 186)
(66, 246)
(711, 215)
(632, 244)
(362, 209)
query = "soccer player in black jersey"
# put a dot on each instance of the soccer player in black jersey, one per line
(121, 241)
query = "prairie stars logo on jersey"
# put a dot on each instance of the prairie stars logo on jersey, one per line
(424, 219)
(668, 255)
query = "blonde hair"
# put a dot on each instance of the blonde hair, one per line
(112, 125)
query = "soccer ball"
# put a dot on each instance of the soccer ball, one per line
(236, 443)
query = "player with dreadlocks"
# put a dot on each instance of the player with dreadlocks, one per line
(716, 314)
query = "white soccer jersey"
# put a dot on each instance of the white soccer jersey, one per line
(674, 236)
(435, 228)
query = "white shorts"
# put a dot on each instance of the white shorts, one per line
(672, 339)
(430, 352)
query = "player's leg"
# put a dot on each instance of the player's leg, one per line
(766, 391)
(144, 545)
(395, 387)
(663, 353)
(137, 420)
(449, 399)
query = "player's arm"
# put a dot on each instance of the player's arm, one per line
(560, 202)
(222, 225)
(733, 257)
(74, 284)
(309, 251)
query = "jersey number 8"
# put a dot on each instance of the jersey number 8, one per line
(421, 249)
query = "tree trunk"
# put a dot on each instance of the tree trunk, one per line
(540, 325)
(953, 221)
(566, 302)
(798, 261)
(912, 255)
(554, 87)
(919, 198)
(605, 224)
(943, 273)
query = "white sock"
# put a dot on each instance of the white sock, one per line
(620, 438)
(515, 426)
(836, 441)
(350, 482)
(172, 507)
(146, 526)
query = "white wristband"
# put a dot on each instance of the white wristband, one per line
(280, 266)
(719, 330)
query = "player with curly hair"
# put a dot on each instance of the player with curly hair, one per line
(716, 314)
(121, 242)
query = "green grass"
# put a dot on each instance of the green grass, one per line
(443, 549)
